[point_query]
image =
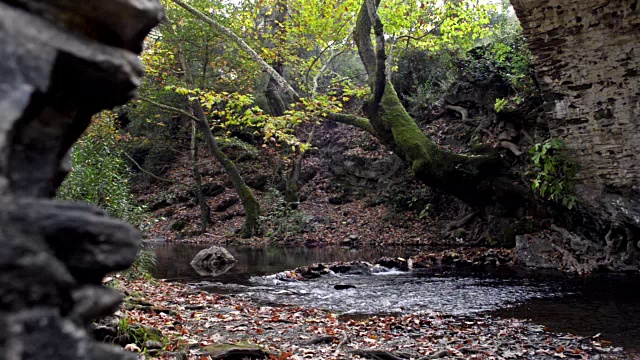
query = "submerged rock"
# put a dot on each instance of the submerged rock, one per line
(344, 286)
(213, 261)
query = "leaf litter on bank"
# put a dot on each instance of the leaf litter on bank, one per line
(199, 321)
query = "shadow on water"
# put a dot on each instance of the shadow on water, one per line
(609, 305)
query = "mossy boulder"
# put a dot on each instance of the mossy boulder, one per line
(235, 352)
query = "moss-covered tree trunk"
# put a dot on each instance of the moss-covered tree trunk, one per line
(472, 178)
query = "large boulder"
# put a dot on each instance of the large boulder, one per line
(213, 261)
(60, 62)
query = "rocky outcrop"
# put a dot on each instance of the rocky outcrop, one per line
(559, 249)
(60, 62)
(586, 60)
(213, 261)
(363, 172)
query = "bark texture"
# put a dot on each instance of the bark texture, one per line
(60, 62)
(586, 56)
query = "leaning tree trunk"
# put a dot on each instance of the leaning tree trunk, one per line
(472, 178)
(59, 65)
(251, 206)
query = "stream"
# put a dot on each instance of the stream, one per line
(605, 305)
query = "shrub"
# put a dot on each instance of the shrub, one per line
(281, 221)
(99, 174)
(554, 173)
(142, 266)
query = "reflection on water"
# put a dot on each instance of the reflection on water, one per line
(607, 305)
(174, 259)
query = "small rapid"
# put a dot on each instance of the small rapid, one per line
(394, 291)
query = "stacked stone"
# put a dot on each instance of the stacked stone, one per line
(586, 55)
(586, 59)
(61, 61)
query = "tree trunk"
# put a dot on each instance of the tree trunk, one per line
(251, 206)
(277, 105)
(204, 208)
(472, 178)
(292, 192)
(276, 99)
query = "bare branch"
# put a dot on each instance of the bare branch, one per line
(464, 113)
(511, 146)
(254, 55)
(169, 108)
(152, 174)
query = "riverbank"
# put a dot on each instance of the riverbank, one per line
(200, 325)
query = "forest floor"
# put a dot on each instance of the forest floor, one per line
(353, 191)
(201, 325)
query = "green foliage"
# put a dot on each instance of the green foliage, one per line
(144, 263)
(554, 173)
(280, 221)
(509, 54)
(422, 78)
(500, 104)
(137, 333)
(509, 103)
(99, 174)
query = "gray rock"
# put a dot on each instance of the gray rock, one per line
(213, 261)
(562, 250)
(174, 355)
(61, 61)
(151, 344)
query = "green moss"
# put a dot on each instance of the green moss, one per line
(138, 333)
(225, 347)
(252, 212)
(429, 163)
(406, 132)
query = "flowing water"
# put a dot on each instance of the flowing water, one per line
(609, 305)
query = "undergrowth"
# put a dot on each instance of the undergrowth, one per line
(280, 220)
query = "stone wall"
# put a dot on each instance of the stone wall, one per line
(587, 60)
(61, 61)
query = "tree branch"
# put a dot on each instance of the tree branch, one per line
(464, 113)
(169, 108)
(362, 37)
(359, 122)
(381, 57)
(254, 55)
(152, 174)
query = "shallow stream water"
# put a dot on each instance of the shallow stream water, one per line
(606, 305)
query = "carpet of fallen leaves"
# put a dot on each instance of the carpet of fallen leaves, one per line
(329, 224)
(191, 320)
